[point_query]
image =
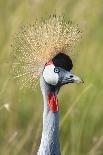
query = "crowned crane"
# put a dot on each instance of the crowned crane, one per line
(41, 51)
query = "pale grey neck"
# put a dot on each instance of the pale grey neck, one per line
(50, 133)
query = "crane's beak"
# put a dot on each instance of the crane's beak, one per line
(71, 78)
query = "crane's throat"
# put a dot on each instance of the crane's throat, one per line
(53, 102)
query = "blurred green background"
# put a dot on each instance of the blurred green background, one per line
(81, 108)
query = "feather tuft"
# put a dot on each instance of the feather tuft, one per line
(36, 44)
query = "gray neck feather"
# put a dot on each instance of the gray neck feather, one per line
(50, 134)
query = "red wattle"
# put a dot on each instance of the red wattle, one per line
(49, 63)
(53, 102)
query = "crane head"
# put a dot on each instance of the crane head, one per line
(57, 72)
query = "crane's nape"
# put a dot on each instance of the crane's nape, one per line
(57, 72)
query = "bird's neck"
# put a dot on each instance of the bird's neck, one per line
(50, 134)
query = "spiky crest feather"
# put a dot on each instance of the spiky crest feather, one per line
(36, 44)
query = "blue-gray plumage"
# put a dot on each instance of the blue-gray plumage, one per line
(50, 134)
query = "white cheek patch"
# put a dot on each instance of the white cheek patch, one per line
(49, 75)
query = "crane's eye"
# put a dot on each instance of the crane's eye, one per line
(56, 70)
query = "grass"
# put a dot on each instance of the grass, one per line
(81, 108)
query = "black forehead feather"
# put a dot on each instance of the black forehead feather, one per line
(64, 61)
